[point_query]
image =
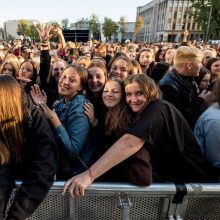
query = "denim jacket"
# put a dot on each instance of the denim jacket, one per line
(73, 133)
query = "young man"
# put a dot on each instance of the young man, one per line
(180, 89)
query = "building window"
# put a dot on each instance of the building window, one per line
(178, 27)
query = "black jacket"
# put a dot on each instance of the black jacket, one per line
(47, 81)
(182, 92)
(36, 170)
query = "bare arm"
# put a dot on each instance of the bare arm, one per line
(126, 146)
(62, 43)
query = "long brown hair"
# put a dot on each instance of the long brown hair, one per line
(11, 118)
(118, 115)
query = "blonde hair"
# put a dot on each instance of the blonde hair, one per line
(11, 118)
(209, 50)
(11, 57)
(84, 61)
(185, 54)
(14, 67)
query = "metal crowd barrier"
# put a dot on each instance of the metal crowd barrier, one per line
(115, 201)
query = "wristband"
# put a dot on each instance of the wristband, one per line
(90, 174)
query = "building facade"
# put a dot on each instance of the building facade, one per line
(128, 32)
(11, 26)
(166, 20)
(83, 24)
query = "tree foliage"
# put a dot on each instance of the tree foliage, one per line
(109, 28)
(94, 26)
(201, 9)
(139, 24)
(123, 26)
(65, 24)
(23, 28)
(33, 32)
(27, 30)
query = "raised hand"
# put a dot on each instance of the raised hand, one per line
(38, 96)
(44, 32)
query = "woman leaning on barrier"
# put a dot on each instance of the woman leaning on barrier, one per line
(27, 152)
(159, 127)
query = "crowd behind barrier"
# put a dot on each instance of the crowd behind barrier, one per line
(132, 112)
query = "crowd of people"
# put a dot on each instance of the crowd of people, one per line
(94, 111)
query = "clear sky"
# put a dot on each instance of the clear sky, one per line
(74, 10)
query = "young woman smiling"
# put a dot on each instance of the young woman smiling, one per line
(71, 125)
(160, 128)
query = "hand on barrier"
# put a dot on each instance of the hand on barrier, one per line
(78, 184)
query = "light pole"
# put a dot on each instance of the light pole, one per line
(210, 14)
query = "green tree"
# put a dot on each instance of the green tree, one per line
(200, 10)
(10, 37)
(94, 26)
(109, 28)
(65, 24)
(23, 28)
(2, 33)
(123, 27)
(139, 24)
(33, 32)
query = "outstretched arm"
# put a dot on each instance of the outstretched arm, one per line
(126, 146)
(62, 43)
(45, 58)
